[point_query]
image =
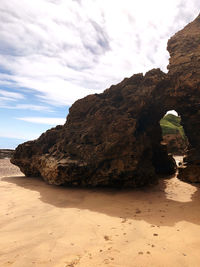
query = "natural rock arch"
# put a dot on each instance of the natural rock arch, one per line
(114, 138)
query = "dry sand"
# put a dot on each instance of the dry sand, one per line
(43, 225)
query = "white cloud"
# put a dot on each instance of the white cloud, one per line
(43, 120)
(64, 50)
(7, 96)
(173, 112)
(28, 107)
(10, 95)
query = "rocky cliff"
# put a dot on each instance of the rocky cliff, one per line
(114, 138)
(184, 72)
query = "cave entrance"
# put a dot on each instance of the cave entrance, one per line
(173, 135)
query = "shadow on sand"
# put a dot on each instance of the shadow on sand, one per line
(157, 205)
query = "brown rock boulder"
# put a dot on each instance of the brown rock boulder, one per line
(184, 72)
(108, 139)
(114, 138)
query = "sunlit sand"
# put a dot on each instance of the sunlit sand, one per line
(43, 225)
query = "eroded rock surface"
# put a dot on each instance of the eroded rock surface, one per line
(114, 138)
(108, 139)
(184, 72)
(176, 145)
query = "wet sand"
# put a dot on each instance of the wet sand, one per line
(43, 225)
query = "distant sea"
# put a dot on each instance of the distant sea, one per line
(10, 143)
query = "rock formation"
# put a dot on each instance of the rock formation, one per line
(184, 72)
(176, 145)
(114, 138)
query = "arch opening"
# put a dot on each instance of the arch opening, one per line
(173, 134)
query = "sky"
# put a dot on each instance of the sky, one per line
(53, 52)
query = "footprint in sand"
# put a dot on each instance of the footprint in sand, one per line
(152, 245)
(107, 238)
(140, 253)
(161, 210)
(106, 261)
(73, 262)
(90, 256)
(10, 262)
(138, 211)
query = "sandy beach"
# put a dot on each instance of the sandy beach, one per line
(43, 225)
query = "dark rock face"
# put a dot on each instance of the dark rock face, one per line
(176, 145)
(184, 72)
(114, 138)
(108, 139)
